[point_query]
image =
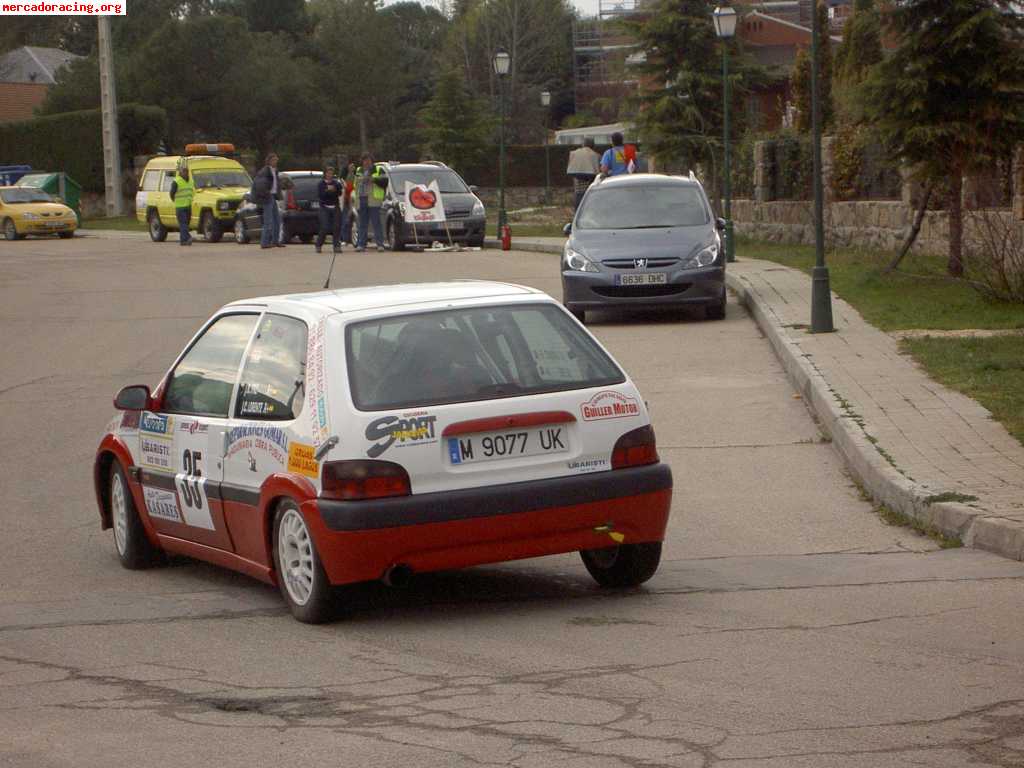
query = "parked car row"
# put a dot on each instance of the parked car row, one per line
(222, 203)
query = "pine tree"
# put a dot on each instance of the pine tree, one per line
(456, 126)
(948, 99)
(679, 112)
(861, 48)
(801, 79)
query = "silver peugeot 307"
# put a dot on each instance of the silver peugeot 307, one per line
(644, 240)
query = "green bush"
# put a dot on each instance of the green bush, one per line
(743, 166)
(792, 166)
(73, 141)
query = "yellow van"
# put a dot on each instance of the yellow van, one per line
(220, 183)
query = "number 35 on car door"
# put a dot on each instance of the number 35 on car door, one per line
(191, 485)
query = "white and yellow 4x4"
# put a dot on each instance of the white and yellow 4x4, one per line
(220, 183)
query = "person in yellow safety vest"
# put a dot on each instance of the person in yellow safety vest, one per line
(182, 191)
(370, 183)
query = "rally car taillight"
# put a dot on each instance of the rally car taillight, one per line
(364, 479)
(635, 448)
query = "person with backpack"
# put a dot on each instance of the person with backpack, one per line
(182, 191)
(266, 191)
(614, 161)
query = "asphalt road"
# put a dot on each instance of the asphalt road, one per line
(787, 626)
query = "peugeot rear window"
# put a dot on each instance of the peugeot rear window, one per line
(473, 353)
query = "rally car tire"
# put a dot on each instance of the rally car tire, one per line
(300, 576)
(210, 227)
(157, 231)
(10, 230)
(134, 549)
(627, 565)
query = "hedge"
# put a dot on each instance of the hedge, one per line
(524, 167)
(73, 141)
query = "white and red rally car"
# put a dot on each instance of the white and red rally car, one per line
(327, 438)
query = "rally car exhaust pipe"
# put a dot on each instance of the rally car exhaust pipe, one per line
(397, 575)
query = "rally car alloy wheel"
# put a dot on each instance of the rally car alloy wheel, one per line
(627, 565)
(133, 546)
(300, 575)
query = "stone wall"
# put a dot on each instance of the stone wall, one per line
(524, 197)
(879, 225)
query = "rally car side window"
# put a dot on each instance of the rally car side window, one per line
(203, 380)
(272, 385)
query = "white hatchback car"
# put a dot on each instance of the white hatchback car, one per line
(327, 438)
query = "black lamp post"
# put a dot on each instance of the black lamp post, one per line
(725, 28)
(501, 65)
(545, 101)
(821, 295)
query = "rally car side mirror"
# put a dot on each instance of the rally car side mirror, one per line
(567, 229)
(133, 398)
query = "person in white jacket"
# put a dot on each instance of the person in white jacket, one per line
(584, 165)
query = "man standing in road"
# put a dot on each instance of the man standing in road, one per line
(614, 162)
(182, 191)
(331, 193)
(584, 163)
(266, 191)
(370, 184)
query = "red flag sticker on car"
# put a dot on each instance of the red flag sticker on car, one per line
(609, 405)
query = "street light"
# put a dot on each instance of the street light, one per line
(725, 28)
(501, 64)
(821, 295)
(545, 101)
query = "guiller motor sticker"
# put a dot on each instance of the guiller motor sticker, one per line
(409, 429)
(162, 504)
(609, 405)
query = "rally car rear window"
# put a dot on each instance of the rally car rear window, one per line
(473, 353)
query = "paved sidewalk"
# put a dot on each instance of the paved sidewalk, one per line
(913, 444)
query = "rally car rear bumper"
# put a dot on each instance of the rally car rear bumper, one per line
(362, 540)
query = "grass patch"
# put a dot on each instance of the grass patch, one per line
(121, 223)
(990, 371)
(892, 517)
(919, 295)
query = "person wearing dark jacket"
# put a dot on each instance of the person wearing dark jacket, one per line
(331, 193)
(266, 191)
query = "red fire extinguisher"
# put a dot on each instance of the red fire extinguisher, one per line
(506, 238)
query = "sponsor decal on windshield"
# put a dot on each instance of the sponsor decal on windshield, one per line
(609, 405)
(408, 429)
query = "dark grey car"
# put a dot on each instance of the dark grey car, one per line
(644, 240)
(466, 216)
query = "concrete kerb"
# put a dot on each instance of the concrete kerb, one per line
(884, 482)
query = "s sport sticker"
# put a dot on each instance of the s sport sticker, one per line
(409, 429)
(609, 405)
